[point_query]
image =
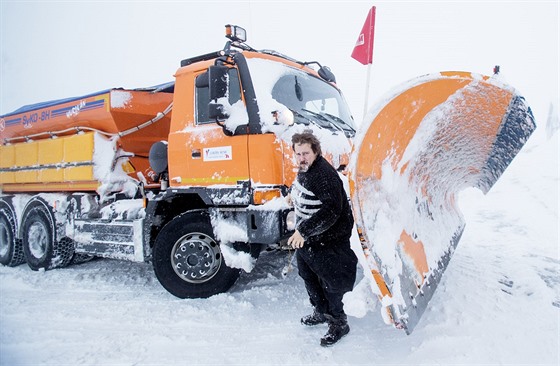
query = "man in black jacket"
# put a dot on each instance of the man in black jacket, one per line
(325, 260)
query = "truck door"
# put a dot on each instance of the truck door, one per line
(215, 156)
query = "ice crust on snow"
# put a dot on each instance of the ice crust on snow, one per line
(130, 209)
(237, 259)
(229, 230)
(237, 113)
(120, 98)
(107, 168)
(276, 204)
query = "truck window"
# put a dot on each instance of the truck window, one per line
(202, 94)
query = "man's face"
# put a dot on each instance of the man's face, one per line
(304, 156)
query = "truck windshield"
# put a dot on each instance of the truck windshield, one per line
(310, 99)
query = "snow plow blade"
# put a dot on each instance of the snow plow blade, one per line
(438, 135)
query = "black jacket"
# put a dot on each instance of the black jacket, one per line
(322, 208)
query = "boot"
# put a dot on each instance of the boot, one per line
(314, 319)
(338, 328)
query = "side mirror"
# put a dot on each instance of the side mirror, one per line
(218, 81)
(158, 158)
(218, 85)
(327, 74)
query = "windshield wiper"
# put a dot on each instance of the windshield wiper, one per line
(322, 117)
(342, 122)
(310, 120)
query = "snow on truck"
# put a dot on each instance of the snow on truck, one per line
(190, 175)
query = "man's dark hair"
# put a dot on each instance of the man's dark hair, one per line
(307, 137)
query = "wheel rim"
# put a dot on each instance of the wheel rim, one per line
(4, 238)
(38, 239)
(196, 257)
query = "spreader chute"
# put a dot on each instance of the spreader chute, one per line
(438, 135)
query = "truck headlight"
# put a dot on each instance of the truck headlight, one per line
(291, 221)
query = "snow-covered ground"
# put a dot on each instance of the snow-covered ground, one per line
(498, 302)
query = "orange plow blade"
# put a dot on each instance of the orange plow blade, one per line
(438, 135)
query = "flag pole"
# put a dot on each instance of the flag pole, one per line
(366, 98)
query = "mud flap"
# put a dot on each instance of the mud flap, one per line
(438, 135)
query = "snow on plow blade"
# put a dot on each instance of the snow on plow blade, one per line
(439, 134)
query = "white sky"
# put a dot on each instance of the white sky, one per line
(58, 49)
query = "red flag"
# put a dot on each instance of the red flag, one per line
(363, 51)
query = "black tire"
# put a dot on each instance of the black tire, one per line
(187, 259)
(11, 250)
(43, 250)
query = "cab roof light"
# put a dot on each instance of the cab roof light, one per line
(236, 33)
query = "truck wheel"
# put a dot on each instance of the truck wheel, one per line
(40, 245)
(11, 251)
(187, 259)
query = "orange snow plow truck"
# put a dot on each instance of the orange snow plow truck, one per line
(191, 175)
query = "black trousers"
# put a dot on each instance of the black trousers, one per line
(329, 271)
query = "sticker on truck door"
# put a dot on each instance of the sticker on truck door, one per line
(217, 153)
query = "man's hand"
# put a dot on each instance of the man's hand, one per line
(296, 241)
